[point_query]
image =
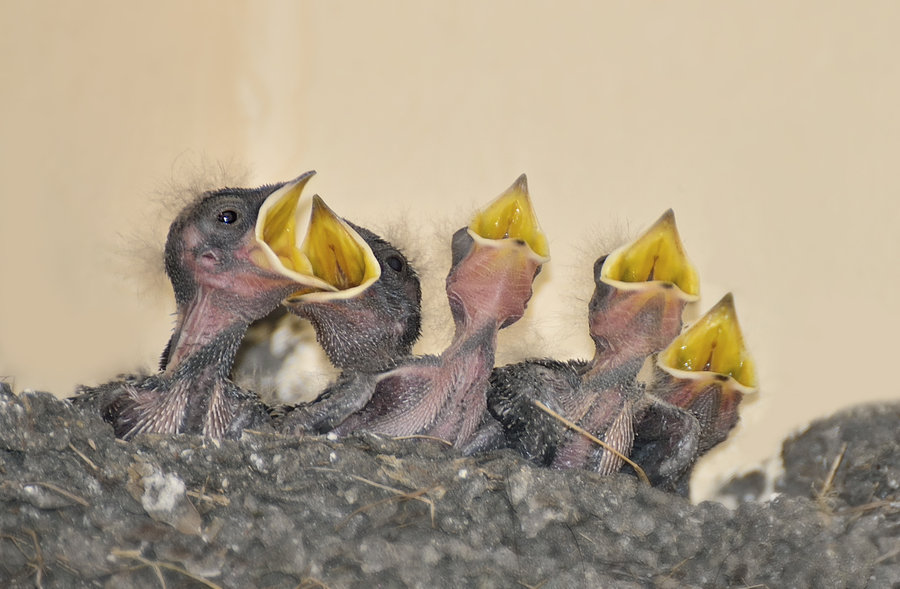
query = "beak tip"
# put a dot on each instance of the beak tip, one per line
(521, 183)
(726, 311)
(666, 222)
(303, 178)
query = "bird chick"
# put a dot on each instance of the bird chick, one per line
(707, 370)
(640, 292)
(231, 259)
(365, 327)
(494, 261)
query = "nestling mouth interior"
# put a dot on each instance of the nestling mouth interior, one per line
(714, 343)
(511, 216)
(306, 241)
(655, 256)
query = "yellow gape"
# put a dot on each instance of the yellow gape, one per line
(276, 234)
(305, 240)
(656, 256)
(337, 253)
(713, 344)
(511, 216)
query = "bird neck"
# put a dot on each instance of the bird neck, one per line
(207, 334)
(470, 358)
(465, 368)
(470, 338)
(629, 325)
(490, 286)
(356, 335)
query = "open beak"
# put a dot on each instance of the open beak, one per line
(338, 254)
(511, 217)
(304, 240)
(641, 290)
(713, 344)
(657, 256)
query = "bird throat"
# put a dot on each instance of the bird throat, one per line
(206, 334)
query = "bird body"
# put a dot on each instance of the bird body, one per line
(193, 395)
(428, 395)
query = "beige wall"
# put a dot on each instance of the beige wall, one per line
(772, 130)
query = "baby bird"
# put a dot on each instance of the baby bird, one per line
(365, 327)
(702, 374)
(640, 292)
(231, 258)
(707, 370)
(494, 261)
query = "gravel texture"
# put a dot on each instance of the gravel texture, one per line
(79, 508)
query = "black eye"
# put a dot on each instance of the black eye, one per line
(395, 263)
(228, 217)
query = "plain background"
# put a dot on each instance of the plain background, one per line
(771, 128)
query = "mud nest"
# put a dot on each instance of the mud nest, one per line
(79, 508)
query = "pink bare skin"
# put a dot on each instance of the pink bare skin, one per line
(444, 396)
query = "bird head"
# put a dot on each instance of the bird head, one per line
(231, 260)
(370, 326)
(495, 259)
(366, 307)
(640, 292)
(214, 250)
